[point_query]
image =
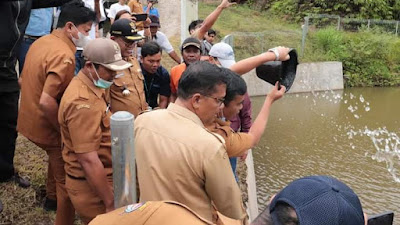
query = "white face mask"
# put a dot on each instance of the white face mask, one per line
(82, 39)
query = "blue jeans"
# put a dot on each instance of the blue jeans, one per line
(78, 61)
(23, 49)
(233, 162)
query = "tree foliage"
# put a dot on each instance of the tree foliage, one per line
(365, 9)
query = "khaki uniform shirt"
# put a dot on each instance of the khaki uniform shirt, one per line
(49, 67)
(85, 125)
(132, 80)
(179, 160)
(237, 143)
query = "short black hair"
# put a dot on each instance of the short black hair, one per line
(75, 12)
(150, 48)
(201, 77)
(120, 13)
(211, 31)
(194, 24)
(236, 86)
(283, 214)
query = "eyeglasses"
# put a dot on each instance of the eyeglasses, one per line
(128, 43)
(219, 100)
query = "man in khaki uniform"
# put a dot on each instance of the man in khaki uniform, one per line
(48, 69)
(178, 159)
(127, 92)
(84, 118)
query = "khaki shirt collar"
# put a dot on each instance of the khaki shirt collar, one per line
(184, 112)
(60, 34)
(86, 80)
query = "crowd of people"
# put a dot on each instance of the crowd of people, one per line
(192, 121)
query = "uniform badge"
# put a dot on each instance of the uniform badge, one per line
(126, 92)
(83, 106)
(67, 61)
(133, 207)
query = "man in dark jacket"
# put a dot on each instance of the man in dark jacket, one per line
(14, 17)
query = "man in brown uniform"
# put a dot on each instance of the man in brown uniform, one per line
(178, 159)
(127, 92)
(48, 69)
(84, 118)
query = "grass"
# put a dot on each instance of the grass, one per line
(24, 205)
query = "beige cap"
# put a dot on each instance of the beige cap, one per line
(105, 52)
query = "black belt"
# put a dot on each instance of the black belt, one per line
(76, 178)
(31, 37)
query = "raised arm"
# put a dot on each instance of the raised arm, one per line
(246, 65)
(210, 19)
(258, 127)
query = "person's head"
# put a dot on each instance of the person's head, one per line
(194, 25)
(102, 61)
(235, 91)
(210, 35)
(151, 56)
(202, 87)
(76, 21)
(123, 14)
(123, 31)
(152, 1)
(154, 25)
(314, 200)
(191, 50)
(222, 54)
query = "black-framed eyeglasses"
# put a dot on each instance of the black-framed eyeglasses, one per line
(127, 42)
(219, 100)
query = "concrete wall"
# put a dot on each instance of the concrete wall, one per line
(318, 76)
(174, 18)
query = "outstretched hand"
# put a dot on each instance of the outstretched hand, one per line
(283, 53)
(225, 4)
(276, 93)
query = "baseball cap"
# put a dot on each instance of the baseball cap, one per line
(224, 53)
(155, 21)
(105, 52)
(320, 200)
(191, 41)
(125, 28)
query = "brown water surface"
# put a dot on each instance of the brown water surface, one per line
(351, 134)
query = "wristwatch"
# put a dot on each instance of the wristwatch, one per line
(276, 52)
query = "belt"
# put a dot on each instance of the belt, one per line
(26, 36)
(76, 178)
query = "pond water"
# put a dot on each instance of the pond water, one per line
(352, 134)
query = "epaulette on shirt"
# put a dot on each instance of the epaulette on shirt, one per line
(84, 93)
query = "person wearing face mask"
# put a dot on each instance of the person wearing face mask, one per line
(127, 93)
(48, 69)
(84, 118)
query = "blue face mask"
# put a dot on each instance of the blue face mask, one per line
(101, 83)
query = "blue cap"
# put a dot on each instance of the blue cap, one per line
(320, 200)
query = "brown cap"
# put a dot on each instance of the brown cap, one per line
(191, 41)
(105, 52)
(151, 213)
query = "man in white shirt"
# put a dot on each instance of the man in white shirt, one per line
(160, 38)
(116, 7)
(91, 4)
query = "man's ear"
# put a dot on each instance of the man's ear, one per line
(196, 100)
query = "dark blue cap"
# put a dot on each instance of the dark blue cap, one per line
(320, 200)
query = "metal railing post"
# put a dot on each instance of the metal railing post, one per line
(123, 158)
(304, 36)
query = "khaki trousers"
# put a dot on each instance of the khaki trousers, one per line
(86, 202)
(56, 177)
